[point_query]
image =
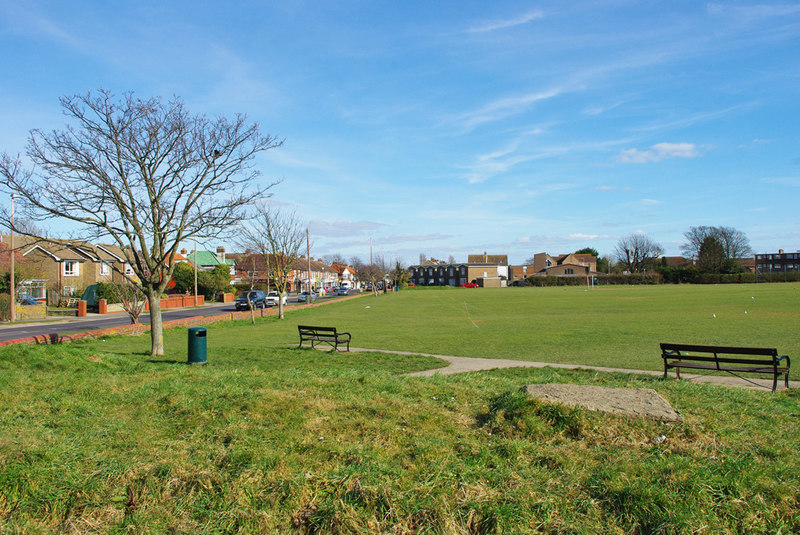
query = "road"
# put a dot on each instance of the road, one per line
(95, 321)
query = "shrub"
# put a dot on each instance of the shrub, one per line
(5, 307)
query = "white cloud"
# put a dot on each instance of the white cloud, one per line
(491, 26)
(658, 152)
(404, 238)
(503, 108)
(579, 236)
(341, 228)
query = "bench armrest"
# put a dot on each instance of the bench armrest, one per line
(342, 334)
(788, 362)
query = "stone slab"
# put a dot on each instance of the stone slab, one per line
(636, 402)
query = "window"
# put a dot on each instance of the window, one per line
(569, 271)
(71, 268)
(69, 290)
(104, 269)
(128, 269)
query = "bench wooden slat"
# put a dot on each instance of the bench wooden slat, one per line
(720, 349)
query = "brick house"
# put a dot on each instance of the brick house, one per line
(484, 270)
(565, 265)
(69, 266)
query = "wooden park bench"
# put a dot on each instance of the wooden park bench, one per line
(326, 335)
(728, 359)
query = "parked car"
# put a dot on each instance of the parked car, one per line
(305, 297)
(469, 285)
(343, 291)
(272, 298)
(257, 298)
(320, 292)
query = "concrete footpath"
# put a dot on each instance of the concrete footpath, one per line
(471, 364)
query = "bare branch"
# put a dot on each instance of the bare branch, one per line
(144, 174)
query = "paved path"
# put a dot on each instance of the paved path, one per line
(470, 364)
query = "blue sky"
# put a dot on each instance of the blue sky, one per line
(450, 128)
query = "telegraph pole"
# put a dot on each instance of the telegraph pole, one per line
(308, 255)
(13, 292)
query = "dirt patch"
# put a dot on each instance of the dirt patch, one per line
(637, 402)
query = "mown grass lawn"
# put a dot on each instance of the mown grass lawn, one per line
(97, 437)
(606, 326)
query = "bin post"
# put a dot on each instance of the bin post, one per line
(197, 345)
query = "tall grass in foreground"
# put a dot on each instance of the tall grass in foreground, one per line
(97, 437)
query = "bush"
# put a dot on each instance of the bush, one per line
(653, 277)
(5, 307)
(183, 277)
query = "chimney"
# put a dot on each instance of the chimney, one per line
(184, 251)
(247, 251)
(221, 252)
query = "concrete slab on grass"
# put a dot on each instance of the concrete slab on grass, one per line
(636, 402)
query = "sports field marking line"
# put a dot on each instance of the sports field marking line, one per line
(469, 316)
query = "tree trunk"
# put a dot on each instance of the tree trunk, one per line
(156, 326)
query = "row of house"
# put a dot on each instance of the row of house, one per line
(64, 267)
(302, 272)
(494, 271)
(485, 270)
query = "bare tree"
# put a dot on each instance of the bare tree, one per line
(145, 173)
(636, 251)
(735, 243)
(130, 297)
(373, 273)
(334, 258)
(278, 236)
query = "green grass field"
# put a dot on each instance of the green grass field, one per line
(606, 326)
(98, 437)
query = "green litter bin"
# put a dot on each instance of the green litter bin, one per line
(197, 345)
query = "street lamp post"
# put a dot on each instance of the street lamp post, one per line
(12, 290)
(195, 271)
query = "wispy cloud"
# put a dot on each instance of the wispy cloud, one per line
(405, 238)
(702, 117)
(503, 108)
(338, 229)
(783, 180)
(490, 26)
(581, 237)
(749, 13)
(658, 152)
